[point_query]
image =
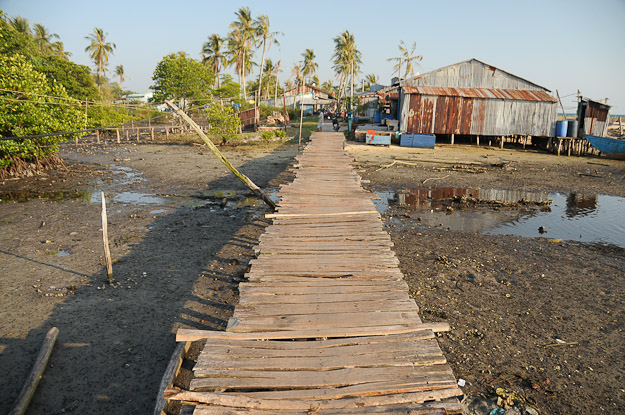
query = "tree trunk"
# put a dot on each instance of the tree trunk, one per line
(262, 64)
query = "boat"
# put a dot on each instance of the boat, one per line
(611, 146)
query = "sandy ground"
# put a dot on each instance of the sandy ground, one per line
(181, 249)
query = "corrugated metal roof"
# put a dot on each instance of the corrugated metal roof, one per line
(423, 75)
(484, 93)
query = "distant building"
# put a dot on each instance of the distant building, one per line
(144, 98)
(473, 98)
(593, 116)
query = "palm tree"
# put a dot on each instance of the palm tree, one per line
(212, 55)
(262, 27)
(346, 58)
(268, 69)
(239, 57)
(20, 24)
(119, 71)
(99, 50)
(309, 67)
(247, 32)
(57, 48)
(406, 56)
(298, 75)
(277, 71)
(371, 79)
(43, 38)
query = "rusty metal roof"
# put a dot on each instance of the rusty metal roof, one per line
(483, 93)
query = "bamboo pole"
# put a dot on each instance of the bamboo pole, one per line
(105, 238)
(21, 404)
(243, 178)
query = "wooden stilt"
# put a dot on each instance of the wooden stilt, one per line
(478, 140)
(97, 136)
(452, 139)
(127, 136)
(152, 133)
(117, 134)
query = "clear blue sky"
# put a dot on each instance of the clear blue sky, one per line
(565, 45)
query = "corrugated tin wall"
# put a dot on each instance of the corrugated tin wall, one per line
(431, 114)
(596, 120)
(472, 74)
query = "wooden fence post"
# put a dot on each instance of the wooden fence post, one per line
(105, 238)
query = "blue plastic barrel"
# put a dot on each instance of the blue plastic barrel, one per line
(377, 117)
(572, 128)
(561, 127)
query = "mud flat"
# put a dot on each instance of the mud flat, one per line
(540, 315)
(181, 230)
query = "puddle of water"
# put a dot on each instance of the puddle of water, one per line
(574, 216)
(157, 211)
(62, 253)
(54, 196)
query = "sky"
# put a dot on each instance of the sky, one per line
(564, 45)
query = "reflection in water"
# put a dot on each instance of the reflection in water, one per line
(579, 204)
(575, 216)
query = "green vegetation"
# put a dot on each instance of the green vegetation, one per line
(43, 92)
(46, 107)
(179, 76)
(223, 121)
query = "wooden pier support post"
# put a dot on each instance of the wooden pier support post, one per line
(501, 142)
(152, 133)
(117, 134)
(166, 133)
(127, 136)
(21, 404)
(97, 136)
(478, 140)
(452, 139)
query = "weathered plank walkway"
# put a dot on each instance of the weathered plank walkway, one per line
(325, 324)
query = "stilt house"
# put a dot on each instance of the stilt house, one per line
(473, 98)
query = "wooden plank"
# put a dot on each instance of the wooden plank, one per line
(322, 344)
(192, 335)
(266, 289)
(170, 375)
(312, 214)
(428, 408)
(236, 351)
(242, 401)
(323, 298)
(322, 363)
(321, 321)
(324, 308)
(241, 379)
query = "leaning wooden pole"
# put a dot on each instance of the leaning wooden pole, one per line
(243, 178)
(105, 238)
(21, 404)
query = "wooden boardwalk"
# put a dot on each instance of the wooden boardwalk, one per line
(325, 324)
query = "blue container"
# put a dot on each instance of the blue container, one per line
(377, 117)
(572, 128)
(561, 128)
(417, 140)
(424, 140)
